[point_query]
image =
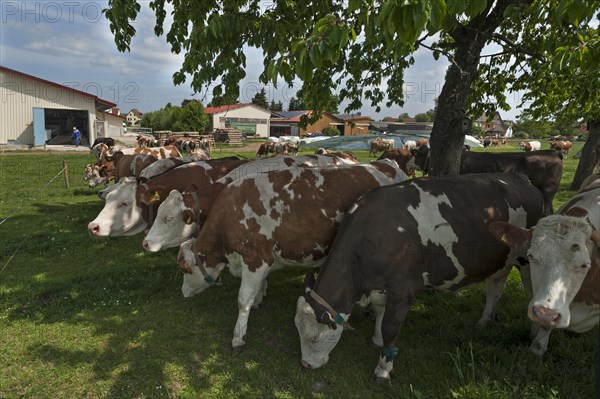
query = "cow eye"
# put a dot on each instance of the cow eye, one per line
(124, 203)
(585, 266)
(167, 219)
(575, 247)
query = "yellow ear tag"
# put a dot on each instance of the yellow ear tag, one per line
(189, 220)
(155, 197)
(504, 239)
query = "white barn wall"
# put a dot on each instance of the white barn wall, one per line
(19, 95)
(262, 129)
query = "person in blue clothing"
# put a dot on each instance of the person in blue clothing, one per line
(76, 136)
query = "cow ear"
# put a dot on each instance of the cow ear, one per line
(596, 237)
(309, 282)
(188, 216)
(510, 235)
(326, 318)
(191, 188)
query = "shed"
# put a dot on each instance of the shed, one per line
(36, 112)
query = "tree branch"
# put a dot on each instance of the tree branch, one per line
(517, 47)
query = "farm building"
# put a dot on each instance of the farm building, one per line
(287, 123)
(251, 119)
(352, 124)
(36, 112)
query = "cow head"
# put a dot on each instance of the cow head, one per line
(95, 175)
(319, 333)
(194, 281)
(559, 250)
(121, 215)
(175, 222)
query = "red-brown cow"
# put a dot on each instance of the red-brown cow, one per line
(563, 146)
(267, 221)
(402, 158)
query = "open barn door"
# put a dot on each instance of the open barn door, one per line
(39, 126)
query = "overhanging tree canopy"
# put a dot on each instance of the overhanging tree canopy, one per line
(354, 47)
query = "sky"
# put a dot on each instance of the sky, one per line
(70, 43)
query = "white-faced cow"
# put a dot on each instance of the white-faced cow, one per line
(183, 213)
(433, 234)
(268, 221)
(543, 168)
(563, 251)
(130, 207)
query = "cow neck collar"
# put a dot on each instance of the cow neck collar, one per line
(207, 277)
(336, 316)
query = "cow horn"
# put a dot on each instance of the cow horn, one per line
(329, 320)
(309, 282)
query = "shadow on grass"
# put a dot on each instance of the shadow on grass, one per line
(117, 313)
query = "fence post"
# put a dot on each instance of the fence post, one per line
(66, 174)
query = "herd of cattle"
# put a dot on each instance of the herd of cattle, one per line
(377, 236)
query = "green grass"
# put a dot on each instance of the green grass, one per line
(100, 318)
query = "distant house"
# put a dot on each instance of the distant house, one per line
(37, 112)
(494, 127)
(287, 123)
(134, 117)
(251, 119)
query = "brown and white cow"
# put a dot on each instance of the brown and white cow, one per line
(131, 206)
(146, 142)
(563, 251)
(403, 158)
(563, 146)
(183, 213)
(268, 221)
(544, 168)
(347, 155)
(380, 144)
(530, 146)
(432, 234)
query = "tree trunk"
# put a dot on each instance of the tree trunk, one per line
(588, 155)
(451, 123)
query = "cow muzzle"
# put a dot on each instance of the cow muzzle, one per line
(94, 228)
(545, 316)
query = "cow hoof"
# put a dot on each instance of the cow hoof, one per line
(236, 350)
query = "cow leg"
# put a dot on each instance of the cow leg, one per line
(261, 294)
(252, 283)
(395, 312)
(493, 290)
(540, 336)
(377, 300)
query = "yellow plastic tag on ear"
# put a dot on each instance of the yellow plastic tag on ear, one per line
(155, 197)
(504, 239)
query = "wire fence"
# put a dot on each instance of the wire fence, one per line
(41, 190)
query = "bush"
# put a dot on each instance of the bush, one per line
(521, 135)
(331, 131)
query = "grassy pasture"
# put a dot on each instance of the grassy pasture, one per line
(99, 318)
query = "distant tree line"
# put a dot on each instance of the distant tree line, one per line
(189, 117)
